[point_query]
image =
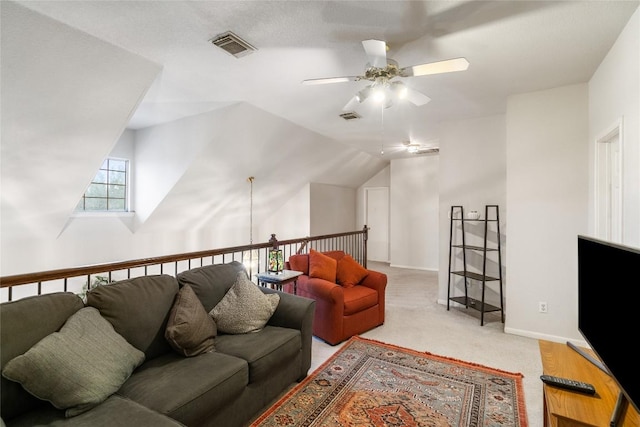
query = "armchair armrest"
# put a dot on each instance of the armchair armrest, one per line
(323, 290)
(375, 280)
(378, 281)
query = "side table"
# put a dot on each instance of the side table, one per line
(276, 280)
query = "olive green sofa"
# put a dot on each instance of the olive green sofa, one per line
(228, 384)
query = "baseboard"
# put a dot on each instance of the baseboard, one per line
(528, 334)
(546, 337)
(413, 268)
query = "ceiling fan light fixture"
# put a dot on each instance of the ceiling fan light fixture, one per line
(412, 148)
(380, 71)
(399, 90)
(379, 94)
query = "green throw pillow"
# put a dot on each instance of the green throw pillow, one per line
(244, 308)
(190, 329)
(78, 367)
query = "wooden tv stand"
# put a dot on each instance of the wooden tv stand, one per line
(568, 408)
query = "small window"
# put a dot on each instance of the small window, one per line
(108, 192)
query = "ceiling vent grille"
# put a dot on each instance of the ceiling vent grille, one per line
(428, 151)
(350, 115)
(232, 44)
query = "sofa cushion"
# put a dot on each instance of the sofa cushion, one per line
(211, 282)
(189, 389)
(79, 367)
(322, 266)
(359, 298)
(265, 351)
(138, 309)
(244, 308)
(190, 329)
(349, 272)
(299, 263)
(23, 323)
(116, 411)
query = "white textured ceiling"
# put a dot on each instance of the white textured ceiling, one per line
(512, 47)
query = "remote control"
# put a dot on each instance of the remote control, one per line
(568, 384)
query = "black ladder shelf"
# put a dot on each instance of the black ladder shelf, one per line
(457, 222)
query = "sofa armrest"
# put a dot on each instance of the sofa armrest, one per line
(295, 312)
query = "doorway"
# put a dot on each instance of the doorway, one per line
(608, 184)
(376, 217)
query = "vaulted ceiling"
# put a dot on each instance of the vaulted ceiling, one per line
(76, 74)
(512, 47)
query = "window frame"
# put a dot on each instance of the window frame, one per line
(127, 196)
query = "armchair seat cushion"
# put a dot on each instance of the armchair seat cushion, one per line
(359, 298)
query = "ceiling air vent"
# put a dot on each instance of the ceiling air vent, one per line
(351, 115)
(232, 44)
(428, 151)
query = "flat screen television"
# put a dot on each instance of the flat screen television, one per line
(608, 318)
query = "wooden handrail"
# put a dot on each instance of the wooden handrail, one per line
(43, 276)
(23, 279)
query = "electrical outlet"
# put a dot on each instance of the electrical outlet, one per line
(542, 307)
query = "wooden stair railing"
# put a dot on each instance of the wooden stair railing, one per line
(254, 256)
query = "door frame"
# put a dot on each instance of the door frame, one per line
(612, 131)
(366, 214)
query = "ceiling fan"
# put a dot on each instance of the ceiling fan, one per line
(411, 147)
(380, 71)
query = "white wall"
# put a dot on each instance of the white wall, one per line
(414, 212)
(333, 209)
(547, 205)
(614, 93)
(472, 174)
(71, 96)
(289, 218)
(196, 171)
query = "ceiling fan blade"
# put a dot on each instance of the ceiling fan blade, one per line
(331, 80)
(377, 52)
(416, 98)
(352, 104)
(446, 66)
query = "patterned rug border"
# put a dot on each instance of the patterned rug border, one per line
(516, 376)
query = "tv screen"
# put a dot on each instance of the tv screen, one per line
(608, 288)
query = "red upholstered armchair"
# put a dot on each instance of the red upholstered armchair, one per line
(349, 298)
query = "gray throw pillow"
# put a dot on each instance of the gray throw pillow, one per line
(190, 329)
(78, 367)
(244, 308)
(138, 309)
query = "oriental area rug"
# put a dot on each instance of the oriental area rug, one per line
(370, 383)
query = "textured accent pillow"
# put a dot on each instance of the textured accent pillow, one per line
(244, 308)
(190, 329)
(78, 367)
(322, 266)
(350, 273)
